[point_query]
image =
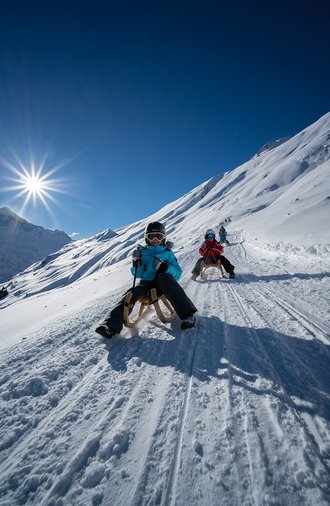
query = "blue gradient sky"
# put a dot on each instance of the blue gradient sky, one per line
(142, 101)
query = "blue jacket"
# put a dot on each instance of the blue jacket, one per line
(146, 270)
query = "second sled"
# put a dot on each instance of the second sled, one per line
(217, 265)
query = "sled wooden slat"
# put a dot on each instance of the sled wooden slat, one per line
(205, 266)
(145, 303)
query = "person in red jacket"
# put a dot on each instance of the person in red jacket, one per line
(211, 251)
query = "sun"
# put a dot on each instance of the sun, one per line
(33, 183)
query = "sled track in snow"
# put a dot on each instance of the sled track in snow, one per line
(307, 321)
(311, 329)
(173, 477)
(277, 380)
(144, 489)
(241, 421)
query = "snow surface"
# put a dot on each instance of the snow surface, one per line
(233, 412)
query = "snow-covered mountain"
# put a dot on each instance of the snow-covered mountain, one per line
(271, 145)
(279, 199)
(22, 244)
(233, 412)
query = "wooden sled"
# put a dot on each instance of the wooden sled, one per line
(145, 303)
(205, 266)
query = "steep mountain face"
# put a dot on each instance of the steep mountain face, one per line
(270, 198)
(279, 200)
(22, 243)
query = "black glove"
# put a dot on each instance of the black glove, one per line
(137, 258)
(208, 246)
(160, 266)
(163, 267)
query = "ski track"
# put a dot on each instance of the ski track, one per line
(276, 378)
(233, 412)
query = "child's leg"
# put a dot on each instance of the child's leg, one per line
(227, 265)
(114, 319)
(175, 294)
(197, 268)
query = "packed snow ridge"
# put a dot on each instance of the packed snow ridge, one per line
(233, 412)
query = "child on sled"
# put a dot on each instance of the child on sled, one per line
(211, 251)
(157, 267)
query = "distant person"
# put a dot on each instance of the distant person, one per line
(211, 251)
(223, 235)
(158, 268)
(3, 293)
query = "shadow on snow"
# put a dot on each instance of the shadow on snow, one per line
(263, 361)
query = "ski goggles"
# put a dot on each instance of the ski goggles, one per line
(155, 235)
(209, 236)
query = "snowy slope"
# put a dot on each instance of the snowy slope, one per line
(22, 244)
(233, 412)
(279, 199)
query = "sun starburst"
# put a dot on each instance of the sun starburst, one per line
(32, 183)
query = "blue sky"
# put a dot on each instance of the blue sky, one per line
(137, 103)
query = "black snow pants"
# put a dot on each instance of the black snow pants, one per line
(164, 283)
(213, 260)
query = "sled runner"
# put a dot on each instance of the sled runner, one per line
(145, 303)
(205, 266)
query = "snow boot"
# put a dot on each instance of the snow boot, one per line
(232, 275)
(188, 322)
(105, 331)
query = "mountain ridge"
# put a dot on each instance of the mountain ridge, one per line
(23, 243)
(268, 198)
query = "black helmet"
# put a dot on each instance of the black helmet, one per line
(155, 228)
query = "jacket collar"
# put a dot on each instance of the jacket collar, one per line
(156, 249)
